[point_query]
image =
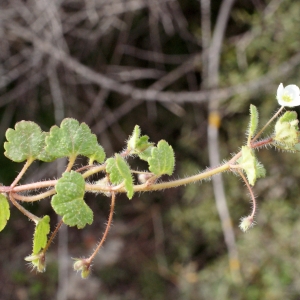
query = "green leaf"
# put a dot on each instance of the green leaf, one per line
(4, 211)
(260, 170)
(146, 154)
(72, 139)
(98, 155)
(119, 172)
(44, 155)
(133, 140)
(139, 145)
(253, 120)
(69, 203)
(251, 166)
(40, 234)
(162, 160)
(25, 142)
(288, 116)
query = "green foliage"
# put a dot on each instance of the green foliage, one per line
(139, 145)
(40, 234)
(119, 172)
(4, 211)
(250, 165)
(162, 160)
(288, 116)
(25, 142)
(69, 202)
(72, 139)
(260, 36)
(44, 155)
(253, 120)
(286, 133)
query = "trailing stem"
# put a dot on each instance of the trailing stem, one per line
(109, 222)
(53, 235)
(248, 222)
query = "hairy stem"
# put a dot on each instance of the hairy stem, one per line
(35, 197)
(137, 188)
(54, 233)
(111, 213)
(94, 170)
(31, 186)
(71, 163)
(163, 185)
(23, 210)
(25, 167)
(268, 123)
(251, 193)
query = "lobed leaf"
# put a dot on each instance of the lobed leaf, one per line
(98, 155)
(119, 172)
(4, 211)
(69, 202)
(162, 160)
(25, 142)
(40, 234)
(44, 155)
(253, 120)
(72, 139)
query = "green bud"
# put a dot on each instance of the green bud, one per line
(81, 264)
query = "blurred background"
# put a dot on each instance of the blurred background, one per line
(186, 72)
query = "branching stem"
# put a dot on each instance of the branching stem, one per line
(25, 167)
(23, 210)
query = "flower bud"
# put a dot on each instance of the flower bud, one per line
(38, 261)
(246, 223)
(143, 177)
(82, 265)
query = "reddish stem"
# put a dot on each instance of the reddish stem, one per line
(54, 233)
(112, 207)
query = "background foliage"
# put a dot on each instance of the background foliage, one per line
(114, 64)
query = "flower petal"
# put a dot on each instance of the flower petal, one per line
(280, 91)
(289, 95)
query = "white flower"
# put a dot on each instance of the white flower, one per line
(289, 95)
